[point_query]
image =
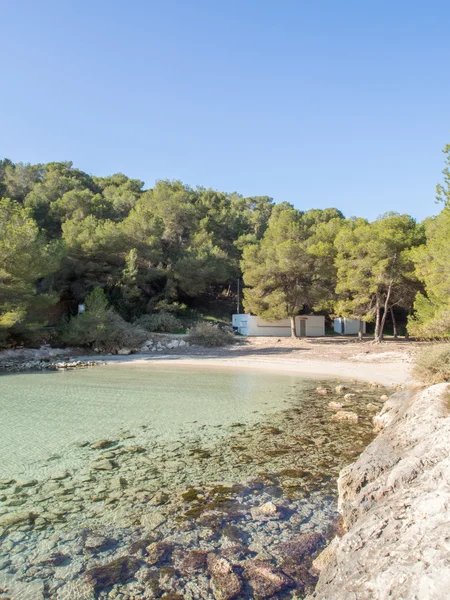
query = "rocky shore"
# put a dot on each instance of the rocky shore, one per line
(394, 502)
(17, 366)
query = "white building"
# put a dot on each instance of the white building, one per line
(346, 326)
(305, 326)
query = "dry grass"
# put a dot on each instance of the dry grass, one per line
(433, 363)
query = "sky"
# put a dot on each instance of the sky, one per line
(319, 104)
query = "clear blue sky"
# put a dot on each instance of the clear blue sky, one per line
(326, 103)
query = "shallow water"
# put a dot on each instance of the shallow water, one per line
(186, 458)
(44, 413)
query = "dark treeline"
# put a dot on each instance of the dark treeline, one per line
(64, 233)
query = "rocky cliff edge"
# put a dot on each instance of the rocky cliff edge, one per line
(395, 506)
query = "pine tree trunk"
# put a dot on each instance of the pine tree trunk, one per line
(377, 321)
(361, 330)
(381, 322)
(394, 324)
(293, 331)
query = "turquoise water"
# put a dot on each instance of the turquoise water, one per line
(44, 413)
(162, 467)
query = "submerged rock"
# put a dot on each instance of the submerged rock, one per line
(158, 552)
(119, 570)
(266, 580)
(266, 512)
(194, 561)
(225, 583)
(17, 518)
(323, 391)
(335, 405)
(341, 389)
(300, 548)
(102, 465)
(152, 520)
(345, 415)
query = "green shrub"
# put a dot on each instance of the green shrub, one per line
(101, 327)
(207, 334)
(161, 322)
(432, 363)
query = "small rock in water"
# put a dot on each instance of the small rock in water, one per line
(335, 405)
(159, 499)
(225, 583)
(17, 518)
(101, 444)
(96, 542)
(193, 561)
(300, 547)
(119, 570)
(345, 415)
(340, 389)
(265, 579)
(59, 475)
(21, 483)
(349, 396)
(384, 397)
(158, 552)
(102, 465)
(152, 520)
(371, 406)
(266, 512)
(323, 391)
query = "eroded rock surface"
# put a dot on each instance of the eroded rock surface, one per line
(395, 501)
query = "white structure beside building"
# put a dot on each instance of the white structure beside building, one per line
(305, 326)
(346, 326)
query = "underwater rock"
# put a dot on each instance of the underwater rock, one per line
(340, 389)
(335, 405)
(159, 499)
(18, 518)
(224, 581)
(266, 580)
(193, 561)
(96, 542)
(119, 570)
(100, 444)
(300, 548)
(266, 512)
(152, 520)
(158, 552)
(323, 391)
(102, 465)
(345, 415)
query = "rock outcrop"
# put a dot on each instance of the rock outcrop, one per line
(395, 502)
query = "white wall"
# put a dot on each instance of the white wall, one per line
(255, 326)
(351, 326)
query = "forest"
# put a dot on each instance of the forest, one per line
(162, 257)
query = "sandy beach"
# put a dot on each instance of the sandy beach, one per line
(389, 363)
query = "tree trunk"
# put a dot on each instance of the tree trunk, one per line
(394, 324)
(379, 337)
(293, 331)
(360, 330)
(377, 321)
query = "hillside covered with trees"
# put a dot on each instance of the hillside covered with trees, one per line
(162, 253)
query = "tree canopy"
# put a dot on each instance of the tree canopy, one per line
(64, 233)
